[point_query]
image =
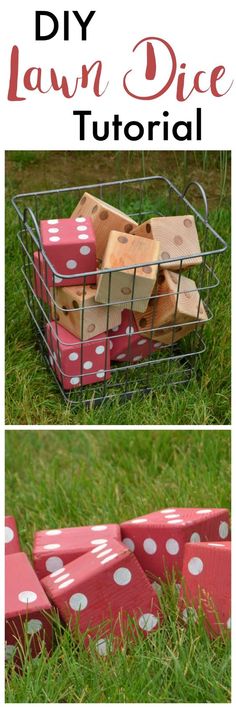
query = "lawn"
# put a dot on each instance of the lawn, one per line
(57, 478)
(32, 397)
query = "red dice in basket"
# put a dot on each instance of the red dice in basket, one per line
(99, 592)
(76, 362)
(27, 609)
(158, 539)
(126, 342)
(12, 543)
(70, 246)
(54, 548)
(207, 584)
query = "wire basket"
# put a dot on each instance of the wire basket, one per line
(166, 364)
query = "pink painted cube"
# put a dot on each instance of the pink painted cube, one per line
(27, 608)
(44, 279)
(127, 344)
(99, 593)
(158, 539)
(12, 543)
(76, 362)
(70, 246)
(207, 584)
(54, 548)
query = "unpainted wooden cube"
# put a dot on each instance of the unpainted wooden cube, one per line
(178, 237)
(124, 286)
(175, 301)
(105, 218)
(77, 311)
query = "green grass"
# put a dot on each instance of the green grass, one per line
(76, 477)
(32, 397)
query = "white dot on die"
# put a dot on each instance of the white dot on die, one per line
(58, 572)
(167, 511)
(129, 543)
(137, 358)
(138, 521)
(204, 511)
(98, 541)
(9, 534)
(100, 349)
(80, 219)
(172, 546)
(73, 356)
(100, 374)
(33, 626)
(150, 546)
(75, 380)
(157, 587)
(57, 279)
(53, 231)
(195, 538)
(223, 529)
(141, 341)
(53, 532)
(129, 330)
(54, 238)
(85, 250)
(111, 344)
(78, 601)
(9, 650)
(188, 613)
(122, 576)
(71, 264)
(147, 621)
(61, 577)
(27, 596)
(98, 528)
(81, 228)
(52, 221)
(88, 365)
(120, 356)
(66, 583)
(195, 566)
(53, 563)
(51, 546)
(83, 237)
(115, 329)
(102, 647)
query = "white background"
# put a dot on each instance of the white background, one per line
(202, 34)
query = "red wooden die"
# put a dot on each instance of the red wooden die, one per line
(99, 593)
(54, 548)
(126, 342)
(76, 362)
(207, 584)
(69, 245)
(158, 539)
(12, 543)
(27, 608)
(44, 279)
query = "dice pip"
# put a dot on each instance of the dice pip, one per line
(104, 217)
(131, 287)
(177, 236)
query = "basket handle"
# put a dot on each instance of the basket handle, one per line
(29, 211)
(193, 183)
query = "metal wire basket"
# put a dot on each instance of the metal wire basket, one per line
(170, 364)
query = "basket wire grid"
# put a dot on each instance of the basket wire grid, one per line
(141, 199)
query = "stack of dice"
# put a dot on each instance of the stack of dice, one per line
(105, 580)
(143, 301)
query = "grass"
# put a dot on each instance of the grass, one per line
(57, 478)
(32, 396)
